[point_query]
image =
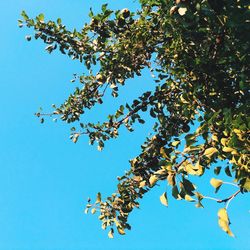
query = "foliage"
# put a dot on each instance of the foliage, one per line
(199, 54)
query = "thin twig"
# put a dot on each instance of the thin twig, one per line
(229, 183)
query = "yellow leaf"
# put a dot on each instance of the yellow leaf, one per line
(222, 214)
(163, 153)
(194, 170)
(224, 221)
(175, 143)
(164, 199)
(171, 179)
(152, 180)
(183, 100)
(173, 10)
(182, 11)
(237, 131)
(190, 169)
(120, 231)
(93, 210)
(214, 137)
(142, 184)
(223, 141)
(161, 171)
(199, 168)
(111, 233)
(186, 150)
(233, 160)
(189, 198)
(216, 183)
(247, 184)
(234, 152)
(227, 149)
(210, 151)
(98, 198)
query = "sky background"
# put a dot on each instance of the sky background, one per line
(45, 179)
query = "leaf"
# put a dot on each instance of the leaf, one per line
(142, 184)
(216, 183)
(111, 233)
(200, 198)
(189, 168)
(182, 11)
(75, 138)
(209, 152)
(40, 17)
(199, 169)
(28, 38)
(175, 143)
(188, 186)
(164, 199)
(189, 198)
(152, 180)
(227, 171)
(223, 141)
(175, 193)
(98, 198)
(93, 210)
(227, 149)
(171, 179)
(199, 205)
(217, 170)
(120, 230)
(224, 221)
(247, 184)
(173, 10)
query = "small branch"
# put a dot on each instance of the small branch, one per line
(211, 198)
(232, 197)
(227, 200)
(229, 183)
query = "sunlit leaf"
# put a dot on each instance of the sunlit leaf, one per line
(182, 11)
(224, 221)
(216, 183)
(153, 179)
(209, 152)
(111, 233)
(164, 199)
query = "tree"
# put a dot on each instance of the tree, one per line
(198, 52)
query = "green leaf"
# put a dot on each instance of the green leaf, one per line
(227, 171)
(24, 15)
(40, 17)
(175, 193)
(217, 170)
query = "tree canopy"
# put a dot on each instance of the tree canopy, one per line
(198, 53)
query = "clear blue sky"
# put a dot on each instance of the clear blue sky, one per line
(45, 178)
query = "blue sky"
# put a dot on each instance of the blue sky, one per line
(45, 179)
